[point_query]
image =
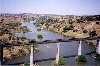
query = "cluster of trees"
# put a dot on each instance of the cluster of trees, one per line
(93, 33)
(14, 24)
(65, 29)
(93, 18)
(3, 31)
(28, 19)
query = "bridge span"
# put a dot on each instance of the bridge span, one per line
(48, 42)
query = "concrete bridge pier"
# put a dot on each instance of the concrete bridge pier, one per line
(98, 47)
(80, 48)
(31, 56)
(57, 55)
(1, 55)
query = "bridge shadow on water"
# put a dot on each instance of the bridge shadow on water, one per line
(49, 59)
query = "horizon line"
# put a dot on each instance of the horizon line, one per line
(50, 14)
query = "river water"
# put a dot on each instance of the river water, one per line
(48, 51)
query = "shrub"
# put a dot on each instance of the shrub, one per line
(91, 43)
(26, 64)
(81, 58)
(22, 52)
(39, 36)
(65, 29)
(85, 31)
(54, 63)
(96, 55)
(93, 33)
(60, 62)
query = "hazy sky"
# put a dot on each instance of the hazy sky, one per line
(68, 7)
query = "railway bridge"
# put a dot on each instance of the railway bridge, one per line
(48, 42)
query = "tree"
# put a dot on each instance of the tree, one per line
(71, 26)
(39, 36)
(85, 31)
(1, 32)
(22, 52)
(81, 58)
(96, 55)
(11, 37)
(65, 29)
(93, 33)
(70, 21)
(2, 20)
(91, 43)
(33, 41)
(61, 61)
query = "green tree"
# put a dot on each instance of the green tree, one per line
(39, 36)
(71, 26)
(70, 21)
(93, 33)
(61, 61)
(85, 31)
(11, 37)
(65, 29)
(81, 58)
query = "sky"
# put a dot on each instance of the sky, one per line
(62, 7)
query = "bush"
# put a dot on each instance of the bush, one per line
(26, 64)
(71, 26)
(96, 55)
(5, 58)
(93, 33)
(85, 31)
(22, 52)
(60, 62)
(65, 29)
(33, 41)
(54, 63)
(91, 43)
(1, 41)
(81, 58)
(38, 29)
(39, 36)
(13, 55)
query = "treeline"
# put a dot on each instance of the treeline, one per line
(93, 18)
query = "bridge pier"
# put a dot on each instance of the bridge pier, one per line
(57, 55)
(98, 47)
(1, 55)
(31, 56)
(80, 48)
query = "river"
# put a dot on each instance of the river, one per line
(48, 51)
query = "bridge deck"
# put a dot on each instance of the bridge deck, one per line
(49, 41)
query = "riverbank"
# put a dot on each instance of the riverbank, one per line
(72, 30)
(14, 52)
(8, 28)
